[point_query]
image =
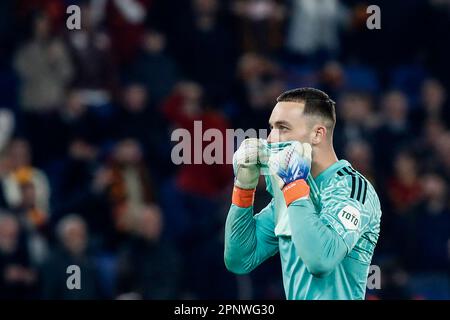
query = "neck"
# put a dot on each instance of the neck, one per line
(322, 159)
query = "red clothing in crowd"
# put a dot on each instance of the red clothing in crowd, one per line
(403, 196)
(201, 179)
(126, 36)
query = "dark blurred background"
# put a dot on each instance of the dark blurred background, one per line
(86, 115)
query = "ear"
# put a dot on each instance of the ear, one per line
(318, 134)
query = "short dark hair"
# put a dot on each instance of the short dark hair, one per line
(317, 103)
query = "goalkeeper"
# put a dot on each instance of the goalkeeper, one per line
(324, 217)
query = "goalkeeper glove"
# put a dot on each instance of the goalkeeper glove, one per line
(246, 165)
(291, 167)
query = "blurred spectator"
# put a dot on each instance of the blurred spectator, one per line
(84, 189)
(186, 105)
(360, 155)
(105, 193)
(148, 266)
(138, 118)
(442, 146)
(357, 120)
(125, 21)
(427, 144)
(405, 187)
(72, 121)
(26, 188)
(7, 126)
(130, 183)
(258, 85)
(431, 227)
(260, 24)
(433, 106)
(77, 120)
(90, 50)
(44, 67)
(318, 23)
(75, 175)
(191, 216)
(394, 131)
(28, 209)
(332, 78)
(53, 9)
(73, 250)
(154, 67)
(32, 218)
(17, 276)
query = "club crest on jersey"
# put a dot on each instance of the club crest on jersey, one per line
(350, 217)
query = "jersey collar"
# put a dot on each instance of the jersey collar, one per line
(331, 171)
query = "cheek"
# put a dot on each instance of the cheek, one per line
(301, 135)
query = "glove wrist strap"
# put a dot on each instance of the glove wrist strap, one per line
(243, 197)
(295, 190)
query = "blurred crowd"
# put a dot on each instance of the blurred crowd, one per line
(86, 116)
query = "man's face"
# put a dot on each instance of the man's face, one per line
(75, 238)
(287, 123)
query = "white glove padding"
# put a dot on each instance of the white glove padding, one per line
(291, 164)
(247, 160)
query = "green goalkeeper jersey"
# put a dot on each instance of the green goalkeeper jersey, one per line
(326, 242)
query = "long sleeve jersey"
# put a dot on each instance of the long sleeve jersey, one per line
(326, 242)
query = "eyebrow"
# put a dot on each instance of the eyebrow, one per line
(281, 123)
